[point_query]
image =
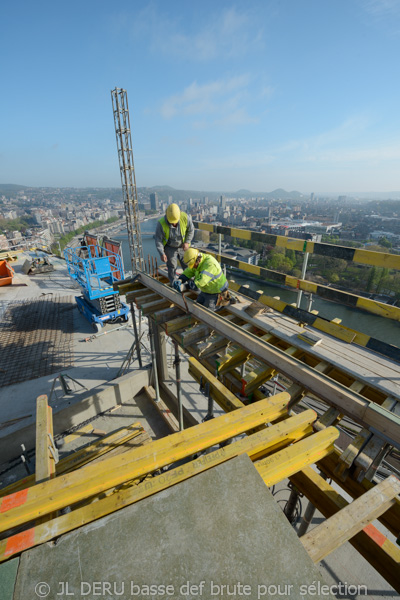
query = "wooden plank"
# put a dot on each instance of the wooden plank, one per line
(224, 398)
(346, 523)
(254, 445)
(91, 480)
(167, 416)
(141, 438)
(167, 314)
(211, 346)
(79, 433)
(309, 338)
(45, 460)
(332, 328)
(179, 323)
(139, 293)
(150, 307)
(232, 358)
(81, 457)
(351, 404)
(330, 417)
(353, 449)
(391, 519)
(253, 380)
(45, 464)
(371, 455)
(193, 335)
(382, 554)
(149, 297)
(286, 462)
(236, 356)
(124, 288)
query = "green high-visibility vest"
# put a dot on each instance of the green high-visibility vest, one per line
(183, 221)
(208, 275)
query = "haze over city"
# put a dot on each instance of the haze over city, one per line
(222, 96)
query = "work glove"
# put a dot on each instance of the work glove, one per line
(177, 285)
(192, 285)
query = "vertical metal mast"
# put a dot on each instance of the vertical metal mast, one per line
(119, 100)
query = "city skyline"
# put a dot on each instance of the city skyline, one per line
(256, 95)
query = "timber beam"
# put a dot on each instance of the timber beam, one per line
(81, 457)
(380, 552)
(45, 467)
(167, 314)
(390, 519)
(22, 507)
(149, 308)
(255, 445)
(290, 460)
(352, 519)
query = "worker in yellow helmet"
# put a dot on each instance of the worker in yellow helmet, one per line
(174, 233)
(205, 272)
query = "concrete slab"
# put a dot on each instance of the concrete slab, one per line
(8, 576)
(222, 528)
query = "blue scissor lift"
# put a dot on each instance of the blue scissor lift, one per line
(95, 268)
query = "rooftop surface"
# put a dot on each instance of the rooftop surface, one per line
(95, 363)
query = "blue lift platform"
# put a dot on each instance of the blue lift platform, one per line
(96, 268)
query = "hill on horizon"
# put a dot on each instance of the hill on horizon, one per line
(164, 191)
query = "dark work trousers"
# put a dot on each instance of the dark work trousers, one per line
(173, 254)
(208, 300)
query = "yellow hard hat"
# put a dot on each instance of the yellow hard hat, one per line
(173, 214)
(190, 257)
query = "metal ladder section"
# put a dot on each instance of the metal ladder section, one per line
(123, 137)
(244, 374)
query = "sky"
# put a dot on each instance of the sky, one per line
(223, 95)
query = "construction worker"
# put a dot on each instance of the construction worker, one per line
(173, 236)
(207, 276)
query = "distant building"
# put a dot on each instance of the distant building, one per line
(4, 243)
(57, 227)
(250, 257)
(154, 205)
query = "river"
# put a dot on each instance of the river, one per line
(380, 328)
